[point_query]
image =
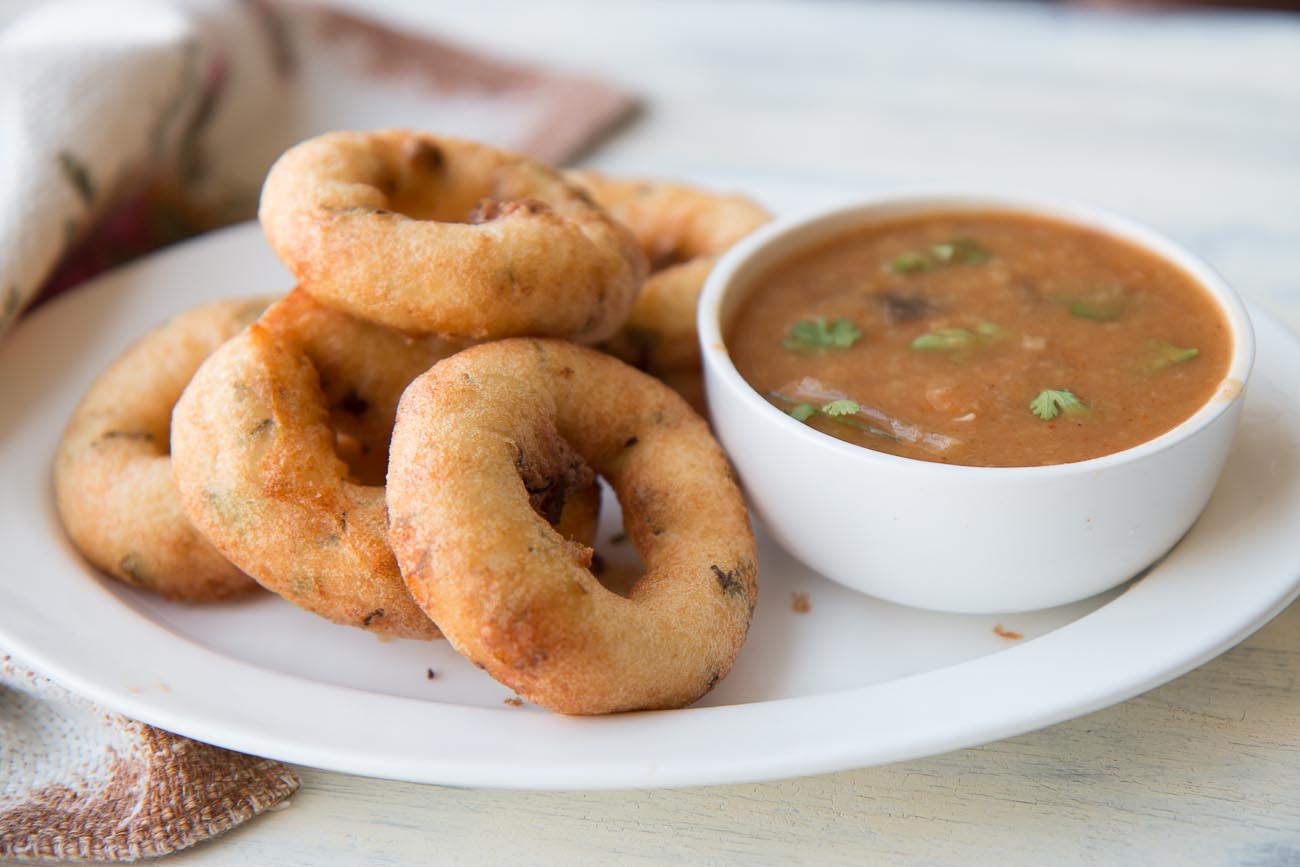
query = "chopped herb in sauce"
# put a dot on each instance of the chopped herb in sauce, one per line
(952, 339)
(1106, 304)
(910, 263)
(841, 407)
(944, 339)
(962, 251)
(809, 398)
(840, 410)
(815, 336)
(1165, 355)
(1051, 402)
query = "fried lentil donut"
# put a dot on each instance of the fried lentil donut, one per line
(659, 336)
(516, 597)
(690, 385)
(435, 235)
(112, 472)
(259, 441)
(682, 231)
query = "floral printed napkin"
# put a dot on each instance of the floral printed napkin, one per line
(125, 126)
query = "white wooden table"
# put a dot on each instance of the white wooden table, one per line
(1191, 123)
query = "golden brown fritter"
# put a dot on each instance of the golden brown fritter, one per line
(518, 598)
(112, 473)
(436, 235)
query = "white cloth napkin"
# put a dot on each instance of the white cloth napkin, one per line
(128, 125)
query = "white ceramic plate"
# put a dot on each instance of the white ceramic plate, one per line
(852, 682)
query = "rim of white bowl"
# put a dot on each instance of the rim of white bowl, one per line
(823, 224)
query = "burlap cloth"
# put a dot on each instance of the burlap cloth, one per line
(125, 126)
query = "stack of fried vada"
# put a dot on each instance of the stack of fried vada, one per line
(410, 441)
(682, 231)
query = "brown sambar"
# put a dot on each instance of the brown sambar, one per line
(994, 339)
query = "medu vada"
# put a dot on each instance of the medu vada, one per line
(516, 597)
(436, 235)
(112, 471)
(682, 231)
(261, 441)
(689, 384)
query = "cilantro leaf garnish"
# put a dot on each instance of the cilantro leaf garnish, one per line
(910, 263)
(943, 253)
(952, 339)
(801, 411)
(962, 251)
(943, 339)
(841, 407)
(1164, 354)
(1105, 304)
(843, 411)
(815, 336)
(1084, 310)
(1051, 402)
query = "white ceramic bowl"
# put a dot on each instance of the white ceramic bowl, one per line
(957, 538)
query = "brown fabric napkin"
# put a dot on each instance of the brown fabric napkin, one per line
(127, 126)
(81, 783)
